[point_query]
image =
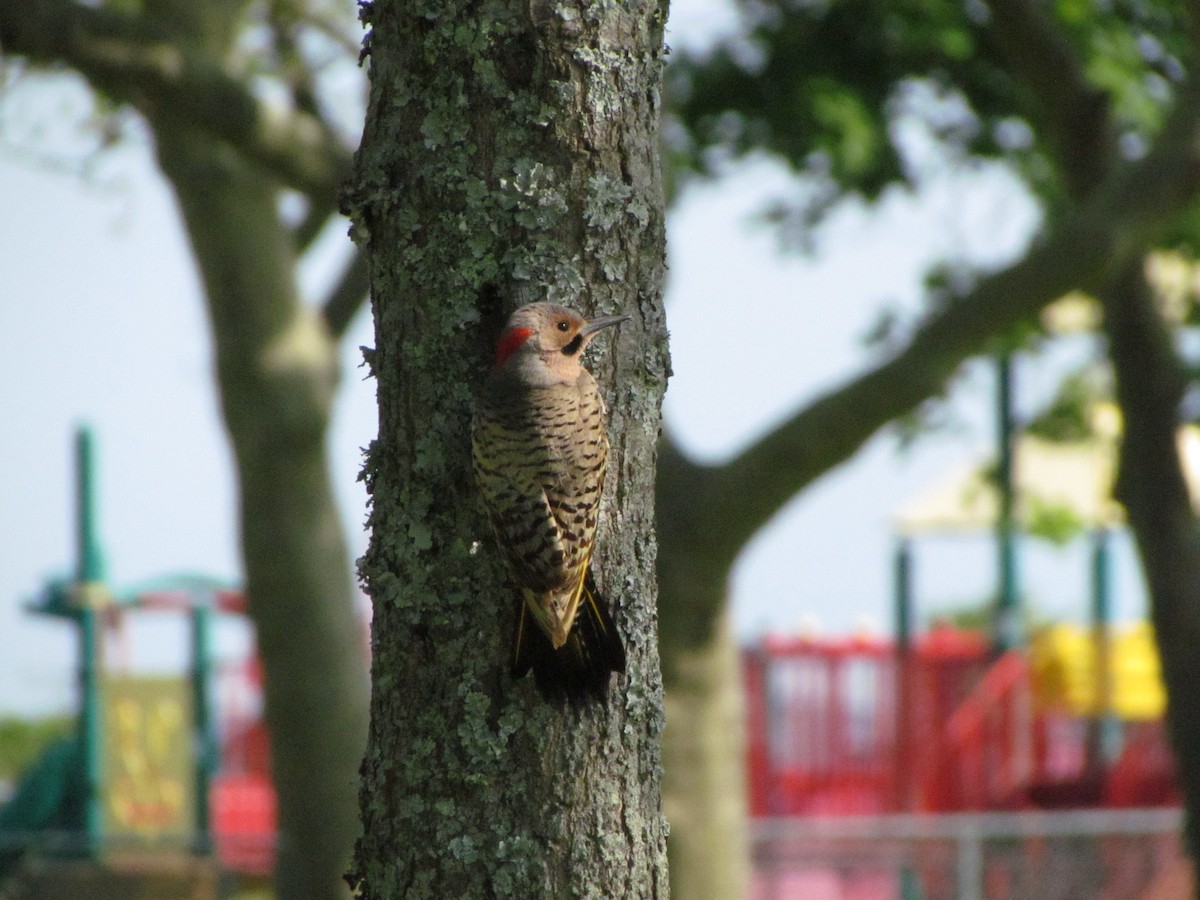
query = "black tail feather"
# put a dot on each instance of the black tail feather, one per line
(581, 667)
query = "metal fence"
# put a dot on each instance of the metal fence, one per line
(1130, 854)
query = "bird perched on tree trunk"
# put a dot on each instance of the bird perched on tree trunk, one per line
(540, 449)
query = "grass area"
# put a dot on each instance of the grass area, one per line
(21, 740)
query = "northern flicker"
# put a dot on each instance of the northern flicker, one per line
(540, 450)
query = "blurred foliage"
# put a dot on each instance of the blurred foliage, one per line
(21, 740)
(861, 96)
(814, 84)
(1069, 416)
(1175, 277)
(977, 616)
(822, 86)
(1052, 521)
(932, 416)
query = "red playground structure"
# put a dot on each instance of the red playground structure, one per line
(852, 727)
(243, 794)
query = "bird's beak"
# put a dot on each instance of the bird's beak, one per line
(599, 322)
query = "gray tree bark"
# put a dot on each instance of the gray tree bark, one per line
(510, 155)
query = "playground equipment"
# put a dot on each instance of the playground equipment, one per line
(957, 720)
(1064, 665)
(945, 771)
(146, 775)
(858, 727)
(864, 738)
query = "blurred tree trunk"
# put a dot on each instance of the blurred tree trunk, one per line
(277, 371)
(510, 155)
(1152, 485)
(704, 754)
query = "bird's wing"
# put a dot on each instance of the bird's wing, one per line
(576, 480)
(526, 530)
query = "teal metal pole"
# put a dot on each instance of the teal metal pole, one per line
(90, 732)
(89, 557)
(1103, 737)
(902, 592)
(206, 743)
(1008, 619)
(910, 884)
(903, 794)
(1101, 579)
(89, 574)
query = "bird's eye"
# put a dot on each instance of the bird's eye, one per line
(563, 325)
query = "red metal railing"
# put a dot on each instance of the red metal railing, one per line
(986, 753)
(831, 724)
(851, 727)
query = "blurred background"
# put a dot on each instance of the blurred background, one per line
(787, 279)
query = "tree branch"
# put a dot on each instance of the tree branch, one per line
(348, 296)
(691, 580)
(1192, 20)
(331, 27)
(133, 62)
(710, 512)
(1074, 112)
(282, 17)
(310, 227)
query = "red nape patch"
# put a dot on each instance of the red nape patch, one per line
(510, 342)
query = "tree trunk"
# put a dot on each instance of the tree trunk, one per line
(1151, 484)
(705, 782)
(510, 155)
(704, 791)
(709, 513)
(181, 64)
(277, 371)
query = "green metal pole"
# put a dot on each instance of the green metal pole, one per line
(1101, 593)
(904, 797)
(90, 732)
(1008, 620)
(1102, 733)
(89, 573)
(910, 884)
(206, 742)
(902, 590)
(89, 557)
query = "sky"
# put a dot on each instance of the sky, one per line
(101, 321)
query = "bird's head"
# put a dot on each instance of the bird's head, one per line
(543, 342)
